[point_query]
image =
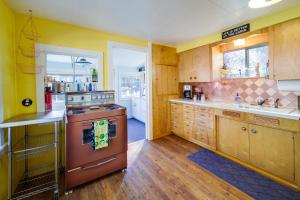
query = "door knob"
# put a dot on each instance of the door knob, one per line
(253, 131)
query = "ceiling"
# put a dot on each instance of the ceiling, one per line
(165, 21)
(128, 58)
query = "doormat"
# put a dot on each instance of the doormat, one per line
(255, 185)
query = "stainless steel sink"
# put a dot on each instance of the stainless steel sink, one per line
(260, 108)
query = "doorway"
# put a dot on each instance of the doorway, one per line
(129, 80)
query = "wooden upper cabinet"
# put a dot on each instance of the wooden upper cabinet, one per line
(285, 50)
(201, 71)
(195, 65)
(163, 55)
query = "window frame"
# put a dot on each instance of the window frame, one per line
(41, 60)
(131, 74)
(247, 56)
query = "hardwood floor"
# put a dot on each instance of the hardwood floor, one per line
(158, 169)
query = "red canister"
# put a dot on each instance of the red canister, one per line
(48, 101)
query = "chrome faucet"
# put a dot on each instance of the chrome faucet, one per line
(261, 101)
(276, 103)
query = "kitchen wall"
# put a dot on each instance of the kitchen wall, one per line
(8, 78)
(255, 24)
(66, 35)
(249, 90)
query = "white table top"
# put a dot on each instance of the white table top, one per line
(33, 118)
(292, 113)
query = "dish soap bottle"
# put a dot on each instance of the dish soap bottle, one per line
(94, 76)
(237, 98)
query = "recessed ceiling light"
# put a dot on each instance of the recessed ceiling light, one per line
(261, 3)
(239, 42)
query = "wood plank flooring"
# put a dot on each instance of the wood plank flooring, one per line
(158, 169)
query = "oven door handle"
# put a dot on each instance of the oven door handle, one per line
(99, 164)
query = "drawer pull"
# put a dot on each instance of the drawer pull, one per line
(92, 166)
(253, 131)
(243, 128)
(99, 164)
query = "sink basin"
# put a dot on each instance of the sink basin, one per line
(260, 108)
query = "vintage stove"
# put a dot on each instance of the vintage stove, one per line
(83, 163)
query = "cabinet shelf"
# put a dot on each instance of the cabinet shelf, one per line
(30, 186)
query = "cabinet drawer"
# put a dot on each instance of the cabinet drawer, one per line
(204, 115)
(94, 170)
(176, 123)
(204, 123)
(188, 107)
(199, 109)
(176, 118)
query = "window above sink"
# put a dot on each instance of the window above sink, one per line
(243, 56)
(246, 62)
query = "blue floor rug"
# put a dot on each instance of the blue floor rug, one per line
(136, 130)
(246, 180)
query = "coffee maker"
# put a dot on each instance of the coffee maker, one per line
(187, 92)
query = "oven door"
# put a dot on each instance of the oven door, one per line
(80, 152)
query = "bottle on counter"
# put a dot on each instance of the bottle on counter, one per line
(54, 86)
(237, 98)
(62, 87)
(58, 87)
(48, 99)
(90, 87)
(77, 87)
(94, 76)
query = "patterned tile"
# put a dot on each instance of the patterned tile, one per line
(249, 90)
(259, 91)
(271, 91)
(248, 82)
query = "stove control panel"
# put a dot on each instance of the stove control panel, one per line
(89, 98)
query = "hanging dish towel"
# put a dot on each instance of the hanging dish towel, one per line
(100, 138)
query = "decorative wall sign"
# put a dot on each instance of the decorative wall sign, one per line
(236, 31)
(27, 102)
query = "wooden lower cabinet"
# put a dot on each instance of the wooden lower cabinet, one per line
(269, 149)
(193, 123)
(233, 138)
(272, 150)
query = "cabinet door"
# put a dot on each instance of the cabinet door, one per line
(172, 80)
(188, 66)
(272, 150)
(285, 44)
(233, 138)
(201, 71)
(181, 69)
(161, 73)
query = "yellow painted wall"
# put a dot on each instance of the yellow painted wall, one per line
(61, 34)
(255, 24)
(8, 70)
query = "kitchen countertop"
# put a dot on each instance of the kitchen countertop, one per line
(34, 118)
(287, 113)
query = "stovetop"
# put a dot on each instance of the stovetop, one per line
(93, 109)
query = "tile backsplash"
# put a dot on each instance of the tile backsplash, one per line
(249, 90)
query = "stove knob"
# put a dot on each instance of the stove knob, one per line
(82, 97)
(70, 98)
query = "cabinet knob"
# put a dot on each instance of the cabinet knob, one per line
(195, 77)
(253, 131)
(191, 78)
(243, 128)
